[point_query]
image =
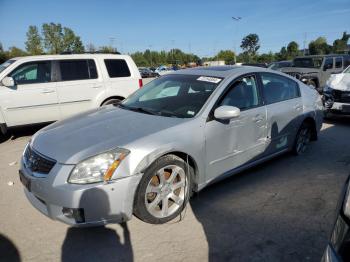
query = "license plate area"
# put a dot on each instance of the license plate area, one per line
(25, 181)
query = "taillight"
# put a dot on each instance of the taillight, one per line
(140, 83)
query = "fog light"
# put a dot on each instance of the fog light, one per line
(76, 213)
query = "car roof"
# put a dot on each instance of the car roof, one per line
(221, 71)
(330, 55)
(70, 56)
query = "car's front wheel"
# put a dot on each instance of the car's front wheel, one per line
(164, 190)
(302, 139)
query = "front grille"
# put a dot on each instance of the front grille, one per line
(36, 162)
(341, 96)
(294, 74)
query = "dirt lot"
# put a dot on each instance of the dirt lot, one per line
(282, 210)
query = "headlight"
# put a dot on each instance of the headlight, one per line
(98, 168)
(347, 203)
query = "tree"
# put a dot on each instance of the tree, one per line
(90, 48)
(250, 44)
(266, 58)
(58, 39)
(107, 49)
(227, 55)
(3, 55)
(340, 45)
(33, 43)
(16, 52)
(292, 49)
(53, 36)
(319, 47)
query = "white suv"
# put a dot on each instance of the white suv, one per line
(39, 89)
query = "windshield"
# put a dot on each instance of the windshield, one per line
(308, 62)
(3, 66)
(173, 95)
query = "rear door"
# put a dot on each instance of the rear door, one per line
(284, 106)
(242, 139)
(78, 85)
(33, 99)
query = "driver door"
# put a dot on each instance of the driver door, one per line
(242, 139)
(33, 99)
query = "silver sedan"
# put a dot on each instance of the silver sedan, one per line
(179, 133)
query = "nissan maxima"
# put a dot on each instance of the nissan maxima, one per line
(176, 135)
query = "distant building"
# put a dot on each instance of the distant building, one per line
(214, 63)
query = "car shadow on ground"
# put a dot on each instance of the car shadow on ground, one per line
(264, 214)
(96, 243)
(8, 250)
(19, 132)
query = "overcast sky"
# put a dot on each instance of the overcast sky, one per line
(202, 27)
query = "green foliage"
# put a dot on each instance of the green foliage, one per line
(107, 49)
(15, 52)
(340, 45)
(250, 44)
(227, 55)
(3, 55)
(292, 49)
(155, 58)
(33, 43)
(319, 47)
(266, 58)
(57, 39)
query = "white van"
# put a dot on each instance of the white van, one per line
(39, 89)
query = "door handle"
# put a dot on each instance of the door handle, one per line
(97, 86)
(47, 91)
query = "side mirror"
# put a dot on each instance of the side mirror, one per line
(8, 81)
(226, 112)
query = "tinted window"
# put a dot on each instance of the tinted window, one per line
(77, 69)
(278, 88)
(242, 94)
(328, 64)
(33, 72)
(346, 61)
(117, 68)
(338, 62)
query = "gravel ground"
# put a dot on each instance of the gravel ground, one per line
(282, 210)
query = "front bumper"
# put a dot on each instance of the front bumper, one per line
(99, 203)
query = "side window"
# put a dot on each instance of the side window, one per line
(242, 94)
(32, 72)
(328, 64)
(81, 69)
(346, 61)
(278, 88)
(117, 68)
(338, 62)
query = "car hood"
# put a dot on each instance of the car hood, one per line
(339, 81)
(74, 139)
(302, 70)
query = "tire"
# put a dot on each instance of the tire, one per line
(113, 101)
(302, 139)
(312, 83)
(167, 184)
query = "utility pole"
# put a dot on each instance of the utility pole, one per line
(236, 19)
(305, 37)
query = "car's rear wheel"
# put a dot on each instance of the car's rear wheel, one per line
(302, 139)
(164, 190)
(112, 101)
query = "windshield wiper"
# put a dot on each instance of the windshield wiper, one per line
(169, 113)
(138, 109)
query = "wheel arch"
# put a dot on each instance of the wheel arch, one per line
(112, 97)
(311, 121)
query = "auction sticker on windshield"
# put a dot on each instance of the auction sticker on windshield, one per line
(209, 79)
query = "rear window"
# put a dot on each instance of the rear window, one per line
(77, 69)
(117, 68)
